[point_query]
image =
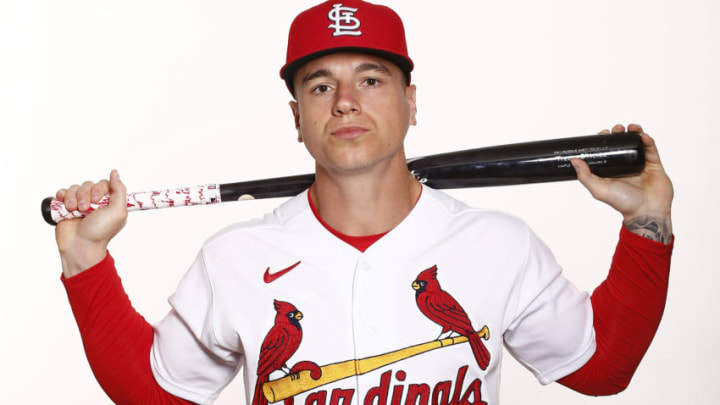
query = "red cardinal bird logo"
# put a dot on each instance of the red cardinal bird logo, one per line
(279, 345)
(441, 308)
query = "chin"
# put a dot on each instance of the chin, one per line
(356, 162)
(349, 166)
(358, 155)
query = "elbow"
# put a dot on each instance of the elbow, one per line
(598, 390)
(613, 388)
(596, 383)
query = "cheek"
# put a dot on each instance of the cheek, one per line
(398, 114)
(308, 118)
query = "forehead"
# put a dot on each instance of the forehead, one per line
(344, 60)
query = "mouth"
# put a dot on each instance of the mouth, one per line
(349, 132)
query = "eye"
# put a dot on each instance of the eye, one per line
(323, 88)
(372, 82)
(423, 283)
(291, 314)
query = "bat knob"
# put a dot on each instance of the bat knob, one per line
(46, 211)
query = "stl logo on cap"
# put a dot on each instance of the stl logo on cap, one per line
(310, 36)
(345, 22)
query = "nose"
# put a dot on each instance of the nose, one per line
(346, 101)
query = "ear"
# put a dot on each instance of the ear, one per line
(296, 117)
(410, 97)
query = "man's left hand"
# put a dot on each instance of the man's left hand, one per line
(644, 199)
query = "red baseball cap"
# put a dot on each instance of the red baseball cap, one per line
(345, 26)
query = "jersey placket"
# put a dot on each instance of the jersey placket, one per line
(365, 328)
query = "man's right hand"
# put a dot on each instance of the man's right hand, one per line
(83, 241)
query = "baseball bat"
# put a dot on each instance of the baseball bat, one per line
(520, 163)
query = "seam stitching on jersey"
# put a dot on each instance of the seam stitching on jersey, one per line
(522, 277)
(212, 299)
(546, 286)
(215, 336)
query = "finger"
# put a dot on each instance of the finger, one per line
(635, 128)
(618, 128)
(71, 197)
(604, 132)
(593, 183)
(60, 195)
(99, 190)
(83, 195)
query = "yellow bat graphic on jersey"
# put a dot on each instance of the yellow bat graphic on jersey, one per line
(294, 384)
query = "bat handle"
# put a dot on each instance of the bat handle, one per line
(54, 211)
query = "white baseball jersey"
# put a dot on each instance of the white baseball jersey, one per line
(362, 323)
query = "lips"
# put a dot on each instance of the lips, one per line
(349, 132)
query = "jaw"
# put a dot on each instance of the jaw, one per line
(364, 155)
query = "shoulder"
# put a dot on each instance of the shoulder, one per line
(486, 219)
(260, 230)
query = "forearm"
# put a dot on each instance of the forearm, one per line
(117, 339)
(627, 309)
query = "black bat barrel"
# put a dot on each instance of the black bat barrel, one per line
(532, 162)
(268, 188)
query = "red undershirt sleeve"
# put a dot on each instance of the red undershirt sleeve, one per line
(627, 308)
(116, 338)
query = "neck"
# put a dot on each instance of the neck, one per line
(365, 202)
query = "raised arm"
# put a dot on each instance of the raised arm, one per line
(628, 305)
(117, 339)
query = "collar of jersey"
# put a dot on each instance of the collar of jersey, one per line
(360, 243)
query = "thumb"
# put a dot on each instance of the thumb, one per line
(651, 153)
(593, 183)
(118, 194)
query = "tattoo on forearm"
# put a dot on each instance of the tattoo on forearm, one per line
(657, 229)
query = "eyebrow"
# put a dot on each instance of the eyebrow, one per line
(373, 66)
(316, 74)
(360, 69)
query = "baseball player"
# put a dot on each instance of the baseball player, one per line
(369, 287)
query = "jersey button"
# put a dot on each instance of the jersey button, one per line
(364, 266)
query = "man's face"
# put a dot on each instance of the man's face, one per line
(352, 110)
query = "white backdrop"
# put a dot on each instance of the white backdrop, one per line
(177, 93)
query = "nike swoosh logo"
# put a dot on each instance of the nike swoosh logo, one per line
(270, 277)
